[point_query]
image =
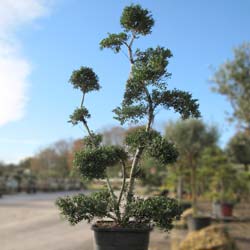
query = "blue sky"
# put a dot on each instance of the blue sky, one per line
(42, 41)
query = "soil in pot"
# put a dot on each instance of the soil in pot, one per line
(118, 238)
(198, 222)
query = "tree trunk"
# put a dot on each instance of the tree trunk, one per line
(180, 188)
(193, 187)
(246, 167)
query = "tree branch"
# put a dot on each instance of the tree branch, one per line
(116, 207)
(82, 100)
(123, 183)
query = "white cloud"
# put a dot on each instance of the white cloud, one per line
(15, 68)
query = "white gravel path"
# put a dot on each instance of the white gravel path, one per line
(32, 222)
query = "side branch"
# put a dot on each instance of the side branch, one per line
(116, 207)
(123, 183)
(85, 124)
(136, 159)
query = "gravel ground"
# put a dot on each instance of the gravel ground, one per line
(32, 222)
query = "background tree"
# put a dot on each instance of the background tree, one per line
(239, 149)
(191, 137)
(232, 80)
(52, 161)
(225, 182)
(153, 173)
(211, 161)
(113, 136)
(77, 145)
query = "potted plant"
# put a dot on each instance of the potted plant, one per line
(123, 220)
(224, 187)
(223, 204)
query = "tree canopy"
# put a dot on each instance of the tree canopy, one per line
(191, 137)
(232, 79)
(239, 148)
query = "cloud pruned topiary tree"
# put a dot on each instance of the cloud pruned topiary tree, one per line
(146, 91)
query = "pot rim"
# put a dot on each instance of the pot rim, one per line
(96, 228)
(201, 217)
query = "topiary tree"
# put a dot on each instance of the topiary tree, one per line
(146, 91)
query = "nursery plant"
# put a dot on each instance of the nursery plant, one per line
(223, 179)
(191, 137)
(146, 92)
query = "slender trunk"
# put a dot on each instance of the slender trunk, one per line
(246, 167)
(82, 100)
(193, 186)
(87, 128)
(123, 183)
(114, 200)
(180, 188)
(132, 173)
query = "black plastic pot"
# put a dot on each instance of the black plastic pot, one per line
(121, 238)
(197, 223)
(185, 205)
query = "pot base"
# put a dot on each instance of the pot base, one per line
(121, 238)
(197, 223)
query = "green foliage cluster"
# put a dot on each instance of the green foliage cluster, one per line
(92, 141)
(92, 162)
(132, 113)
(158, 210)
(85, 79)
(85, 207)
(150, 65)
(114, 41)
(137, 20)
(164, 151)
(155, 146)
(181, 102)
(79, 115)
(139, 137)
